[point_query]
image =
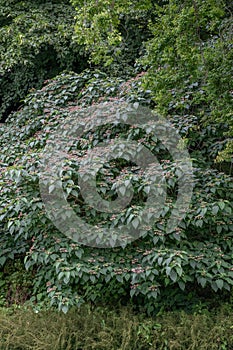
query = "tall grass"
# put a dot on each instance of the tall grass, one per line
(103, 328)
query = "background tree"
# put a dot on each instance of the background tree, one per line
(190, 58)
(189, 55)
(35, 44)
(113, 32)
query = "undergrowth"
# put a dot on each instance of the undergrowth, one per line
(102, 328)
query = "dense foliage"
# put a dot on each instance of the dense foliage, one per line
(198, 252)
(113, 31)
(184, 68)
(190, 57)
(35, 44)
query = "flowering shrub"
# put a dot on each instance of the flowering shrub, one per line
(198, 252)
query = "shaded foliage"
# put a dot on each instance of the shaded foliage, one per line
(35, 44)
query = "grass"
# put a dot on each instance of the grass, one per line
(103, 328)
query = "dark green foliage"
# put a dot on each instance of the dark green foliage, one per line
(198, 252)
(35, 44)
(15, 283)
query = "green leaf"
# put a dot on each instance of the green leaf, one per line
(2, 260)
(221, 205)
(181, 285)
(202, 281)
(215, 210)
(135, 222)
(92, 278)
(64, 309)
(173, 275)
(132, 292)
(51, 188)
(219, 283)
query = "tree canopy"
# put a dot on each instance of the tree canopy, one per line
(36, 43)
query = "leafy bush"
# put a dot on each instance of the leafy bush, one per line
(197, 252)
